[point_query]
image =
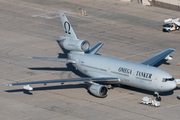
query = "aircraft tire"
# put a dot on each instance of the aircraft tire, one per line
(158, 98)
(112, 86)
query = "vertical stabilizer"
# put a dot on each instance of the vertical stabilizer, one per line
(67, 27)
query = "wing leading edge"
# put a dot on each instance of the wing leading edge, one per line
(157, 57)
(112, 80)
(55, 59)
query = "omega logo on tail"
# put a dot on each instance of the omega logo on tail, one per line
(68, 25)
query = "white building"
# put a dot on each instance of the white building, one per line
(169, 4)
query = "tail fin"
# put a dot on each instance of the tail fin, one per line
(67, 27)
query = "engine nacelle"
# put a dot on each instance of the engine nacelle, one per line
(99, 90)
(75, 45)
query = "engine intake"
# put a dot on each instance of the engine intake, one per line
(75, 45)
(99, 90)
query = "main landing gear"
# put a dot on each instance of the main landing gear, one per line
(158, 98)
(110, 86)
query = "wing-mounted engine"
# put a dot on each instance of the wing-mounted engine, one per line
(74, 45)
(99, 90)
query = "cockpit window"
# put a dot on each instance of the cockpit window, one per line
(167, 79)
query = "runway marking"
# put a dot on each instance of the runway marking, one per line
(29, 78)
(79, 107)
(61, 95)
(124, 96)
(34, 98)
(28, 103)
(140, 54)
(89, 34)
(75, 110)
(71, 13)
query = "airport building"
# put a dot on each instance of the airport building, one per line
(169, 4)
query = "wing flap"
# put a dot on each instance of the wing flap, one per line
(55, 59)
(157, 57)
(66, 80)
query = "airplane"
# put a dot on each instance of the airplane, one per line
(103, 71)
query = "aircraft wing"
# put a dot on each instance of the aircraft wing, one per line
(55, 59)
(157, 57)
(112, 80)
(95, 48)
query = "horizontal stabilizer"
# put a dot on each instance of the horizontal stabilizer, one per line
(157, 57)
(55, 59)
(67, 80)
(94, 49)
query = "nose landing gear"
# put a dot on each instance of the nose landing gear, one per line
(158, 98)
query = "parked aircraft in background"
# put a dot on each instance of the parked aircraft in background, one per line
(104, 71)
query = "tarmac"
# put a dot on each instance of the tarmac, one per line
(128, 30)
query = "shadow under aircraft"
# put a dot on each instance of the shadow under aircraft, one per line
(69, 86)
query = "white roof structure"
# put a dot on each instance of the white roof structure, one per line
(170, 20)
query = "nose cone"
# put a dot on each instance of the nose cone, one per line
(173, 85)
(168, 86)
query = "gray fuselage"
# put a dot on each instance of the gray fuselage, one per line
(129, 73)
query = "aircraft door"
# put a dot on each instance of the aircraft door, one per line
(109, 71)
(133, 78)
(156, 81)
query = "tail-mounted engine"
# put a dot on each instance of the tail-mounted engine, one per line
(74, 45)
(99, 90)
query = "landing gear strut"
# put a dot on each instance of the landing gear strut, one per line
(110, 86)
(158, 98)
